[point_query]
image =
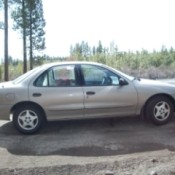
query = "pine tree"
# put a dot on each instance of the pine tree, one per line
(29, 20)
(36, 25)
(6, 76)
(100, 47)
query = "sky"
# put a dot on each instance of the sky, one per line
(131, 24)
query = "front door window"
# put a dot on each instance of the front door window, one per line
(98, 76)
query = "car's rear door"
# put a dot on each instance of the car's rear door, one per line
(58, 91)
(103, 96)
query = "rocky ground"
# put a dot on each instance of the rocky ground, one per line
(152, 163)
(126, 146)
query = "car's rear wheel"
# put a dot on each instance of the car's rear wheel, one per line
(28, 119)
(159, 110)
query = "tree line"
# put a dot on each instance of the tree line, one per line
(154, 64)
(145, 64)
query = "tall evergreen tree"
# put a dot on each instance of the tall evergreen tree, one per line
(36, 25)
(100, 47)
(6, 76)
(93, 50)
(4, 25)
(28, 18)
(24, 37)
(20, 23)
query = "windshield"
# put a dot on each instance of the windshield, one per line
(125, 75)
(121, 73)
(24, 76)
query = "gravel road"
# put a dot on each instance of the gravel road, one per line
(122, 146)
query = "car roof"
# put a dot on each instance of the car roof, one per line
(47, 65)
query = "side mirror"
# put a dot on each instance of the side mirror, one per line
(122, 82)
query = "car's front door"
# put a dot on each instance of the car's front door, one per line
(58, 91)
(103, 96)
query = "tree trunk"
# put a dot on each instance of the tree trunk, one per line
(31, 45)
(24, 38)
(6, 77)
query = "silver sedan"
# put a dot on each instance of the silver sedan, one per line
(79, 90)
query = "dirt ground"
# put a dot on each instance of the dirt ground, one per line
(122, 146)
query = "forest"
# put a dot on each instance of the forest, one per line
(153, 65)
(28, 19)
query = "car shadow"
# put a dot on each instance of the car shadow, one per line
(94, 137)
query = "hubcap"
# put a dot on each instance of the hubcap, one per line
(162, 111)
(28, 120)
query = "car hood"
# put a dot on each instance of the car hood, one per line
(155, 83)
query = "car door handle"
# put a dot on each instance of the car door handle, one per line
(37, 94)
(90, 93)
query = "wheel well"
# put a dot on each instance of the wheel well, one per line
(158, 95)
(27, 103)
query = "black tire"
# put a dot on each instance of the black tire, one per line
(160, 110)
(28, 119)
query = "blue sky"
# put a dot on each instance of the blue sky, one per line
(131, 24)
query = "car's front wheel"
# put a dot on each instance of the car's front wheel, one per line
(27, 119)
(160, 110)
